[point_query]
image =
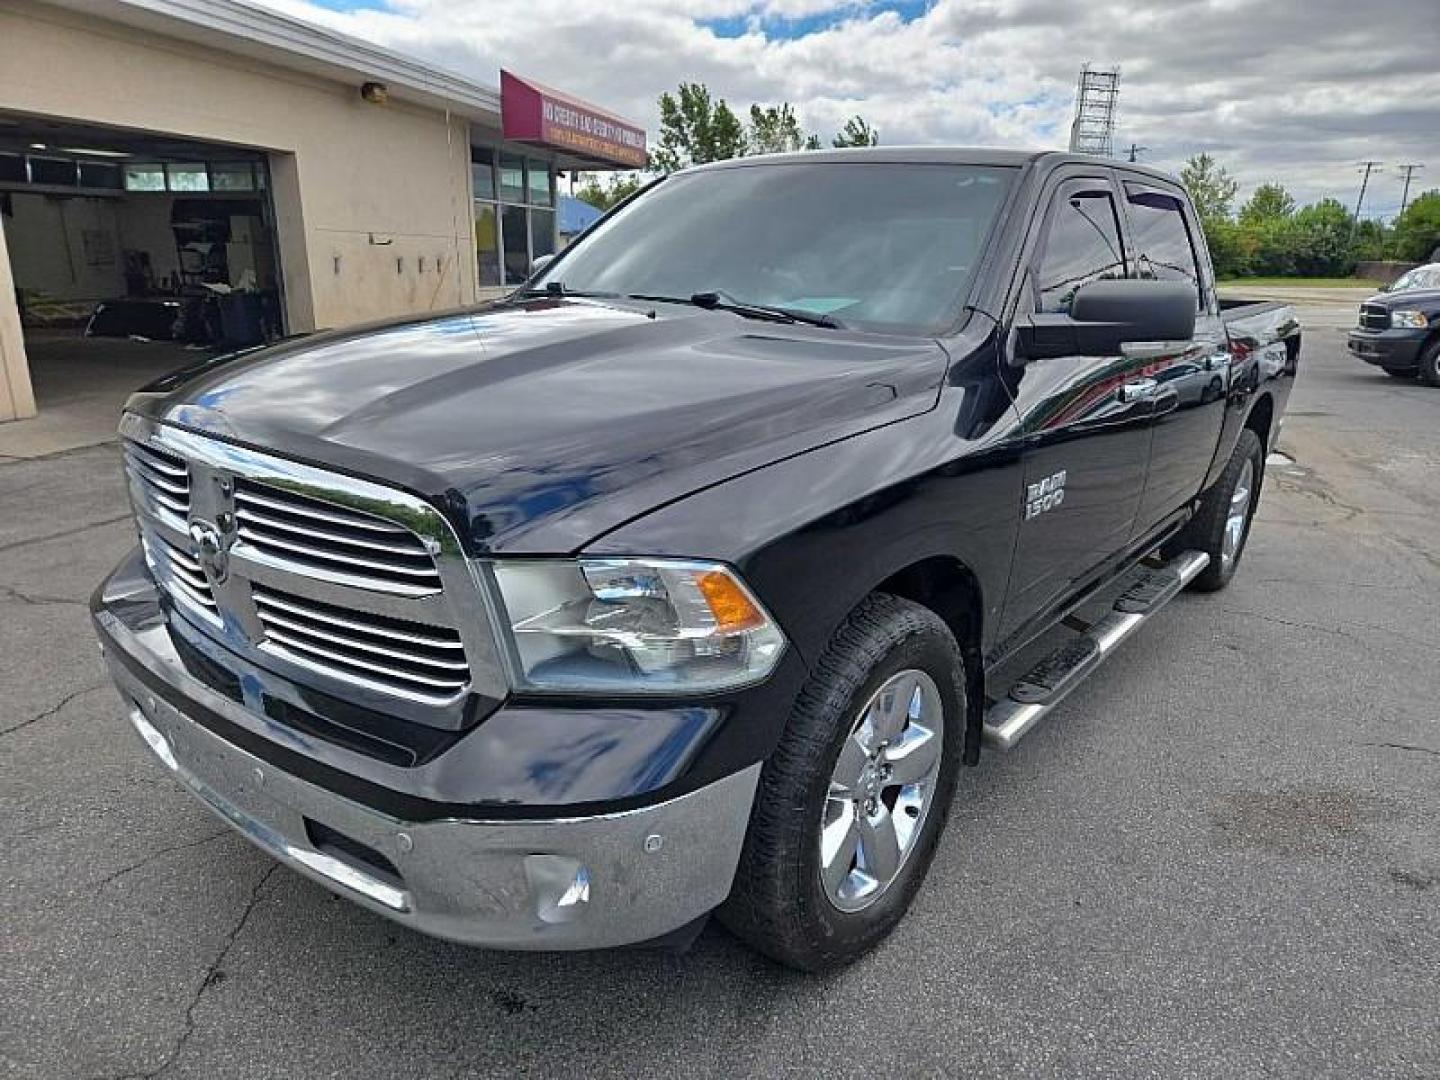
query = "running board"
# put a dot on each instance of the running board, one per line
(1044, 686)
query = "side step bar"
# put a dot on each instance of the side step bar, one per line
(1044, 686)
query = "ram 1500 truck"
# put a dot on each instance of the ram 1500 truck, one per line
(1399, 329)
(679, 581)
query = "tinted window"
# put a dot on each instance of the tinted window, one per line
(1162, 242)
(1082, 244)
(877, 246)
(52, 171)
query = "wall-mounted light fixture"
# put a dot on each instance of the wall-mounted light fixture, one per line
(377, 93)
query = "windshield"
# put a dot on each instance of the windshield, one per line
(1422, 277)
(875, 246)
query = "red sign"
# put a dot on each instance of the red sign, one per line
(536, 114)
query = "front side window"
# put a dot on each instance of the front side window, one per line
(1162, 242)
(877, 245)
(1082, 244)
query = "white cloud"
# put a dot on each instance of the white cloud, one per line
(1275, 89)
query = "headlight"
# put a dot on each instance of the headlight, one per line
(628, 625)
(1412, 320)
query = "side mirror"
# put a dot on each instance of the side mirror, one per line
(1104, 315)
(539, 263)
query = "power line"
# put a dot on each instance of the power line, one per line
(1408, 170)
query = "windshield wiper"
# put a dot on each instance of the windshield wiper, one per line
(719, 301)
(558, 288)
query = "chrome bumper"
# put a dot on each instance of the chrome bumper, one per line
(564, 883)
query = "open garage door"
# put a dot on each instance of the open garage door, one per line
(131, 255)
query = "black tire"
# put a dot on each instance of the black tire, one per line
(1399, 373)
(1430, 364)
(778, 904)
(1206, 530)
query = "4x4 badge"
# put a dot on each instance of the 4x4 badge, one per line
(210, 547)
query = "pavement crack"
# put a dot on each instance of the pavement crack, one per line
(154, 855)
(212, 976)
(52, 710)
(1404, 746)
(37, 599)
(65, 533)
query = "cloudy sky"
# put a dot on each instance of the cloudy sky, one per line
(1298, 91)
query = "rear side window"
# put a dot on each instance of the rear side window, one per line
(1163, 251)
(1082, 244)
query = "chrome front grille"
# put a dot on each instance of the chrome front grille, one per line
(162, 478)
(413, 657)
(354, 588)
(1374, 317)
(330, 540)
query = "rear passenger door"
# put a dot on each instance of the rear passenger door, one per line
(1191, 378)
(1086, 432)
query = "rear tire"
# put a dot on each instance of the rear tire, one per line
(1430, 364)
(814, 908)
(1222, 525)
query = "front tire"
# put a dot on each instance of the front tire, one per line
(1430, 364)
(852, 802)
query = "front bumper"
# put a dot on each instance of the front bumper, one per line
(558, 883)
(1395, 348)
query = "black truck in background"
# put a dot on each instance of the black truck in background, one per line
(1399, 329)
(682, 579)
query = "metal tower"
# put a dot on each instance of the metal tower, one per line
(1095, 99)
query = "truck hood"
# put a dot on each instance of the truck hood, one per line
(1424, 299)
(538, 425)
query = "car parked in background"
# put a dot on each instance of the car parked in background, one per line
(1399, 329)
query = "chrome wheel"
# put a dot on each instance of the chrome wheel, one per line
(881, 790)
(1238, 515)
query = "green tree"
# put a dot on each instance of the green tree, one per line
(856, 132)
(775, 129)
(603, 196)
(1417, 230)
(694, 129)
(1269, 201)
(1211, 188)
(1323, 239)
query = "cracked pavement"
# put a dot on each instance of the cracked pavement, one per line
(1219, 857)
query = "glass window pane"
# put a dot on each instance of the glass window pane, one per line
(538, 174)
(99, 174)
(188, 177)
(542, 233)
(144, 178)
(482, 171)
(52, 171)
(1082, 245)
(233, 176)
(517, 254)
(12, 168)
(1162, 242)
(512, 178)
(487, 244)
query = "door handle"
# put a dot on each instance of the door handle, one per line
(1138, 390)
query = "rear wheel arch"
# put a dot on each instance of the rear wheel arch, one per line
(1261, 420)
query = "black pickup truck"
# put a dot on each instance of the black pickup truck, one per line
(1399, 329)
(680, 580)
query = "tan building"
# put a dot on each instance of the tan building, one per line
(207, 173)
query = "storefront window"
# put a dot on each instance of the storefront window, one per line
(517, 258)
(188, 177)
(512, 178)
(482, 171)
(539, 183)
(52, 171)
(542, 233)
(144, 178)
(99, 174)
(487, 244)
(232, 176)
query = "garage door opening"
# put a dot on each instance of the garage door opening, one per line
(131, 256)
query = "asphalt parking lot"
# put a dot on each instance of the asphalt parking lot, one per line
(1220, 857)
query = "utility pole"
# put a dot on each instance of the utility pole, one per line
(1370, 166)
(1408, 170)
(1135, 152)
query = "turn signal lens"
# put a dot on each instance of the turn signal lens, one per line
(733, 610)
